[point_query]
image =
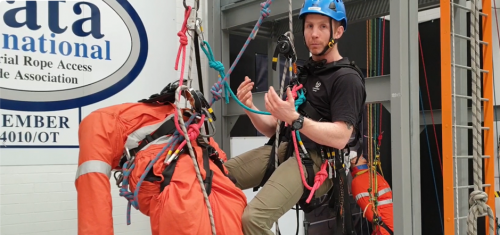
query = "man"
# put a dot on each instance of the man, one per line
(338, 95)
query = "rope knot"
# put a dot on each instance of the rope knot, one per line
(300, 100)
(318, 180)
(478, 197)
(217, 65)
(182, 38)
(264, 9)
(217, 91)
(193, 131)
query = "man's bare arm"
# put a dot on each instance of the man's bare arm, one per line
(335, 135)
(265, 124)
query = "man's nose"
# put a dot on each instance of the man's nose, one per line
(315, 32)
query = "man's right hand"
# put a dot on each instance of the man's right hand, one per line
(244, 92)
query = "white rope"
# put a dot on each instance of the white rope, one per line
(191, 33)
(454, 101)
(282, 88)
(193, 156)
(478, 197)
(185, 88)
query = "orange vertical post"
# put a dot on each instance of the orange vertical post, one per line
(447, 121)
(489, 138)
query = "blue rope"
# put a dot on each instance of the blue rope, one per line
(430, 158)
(219, 67)
(216, 89)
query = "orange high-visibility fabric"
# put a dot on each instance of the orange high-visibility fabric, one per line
(180, 208)
(102, 137)
(360, 184)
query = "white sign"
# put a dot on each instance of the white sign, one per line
(63, 55)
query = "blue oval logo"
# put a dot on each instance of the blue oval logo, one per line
(62, 55)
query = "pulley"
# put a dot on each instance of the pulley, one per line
(285, 48)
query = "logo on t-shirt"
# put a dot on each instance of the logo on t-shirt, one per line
(316, 88)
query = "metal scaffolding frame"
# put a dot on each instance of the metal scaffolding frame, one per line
(399, 92)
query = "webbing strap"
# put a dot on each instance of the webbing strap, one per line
(387, 228)
(168, 172)
(343, 214)
(209, 154)
(366, 194)
(198, 60)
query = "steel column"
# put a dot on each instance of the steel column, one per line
(221, 52)
(405, 131)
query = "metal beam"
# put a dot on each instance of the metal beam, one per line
(246, 13)
(377, 89)
(237, 15)
(405, 131)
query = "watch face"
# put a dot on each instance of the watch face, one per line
(297, 125)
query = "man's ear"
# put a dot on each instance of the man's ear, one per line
(339, 31)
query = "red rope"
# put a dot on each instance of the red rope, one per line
(193, 129)
(322, 174)
(430, 104)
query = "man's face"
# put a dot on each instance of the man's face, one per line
(317, 32)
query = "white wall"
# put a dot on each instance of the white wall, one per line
(37, 192)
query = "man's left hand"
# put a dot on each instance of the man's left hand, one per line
(282, 110)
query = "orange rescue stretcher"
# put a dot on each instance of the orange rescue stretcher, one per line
(384, 222)
(172, 198)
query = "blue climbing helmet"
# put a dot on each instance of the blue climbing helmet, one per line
(334, 9)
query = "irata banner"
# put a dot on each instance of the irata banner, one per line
(60, 55)
(60, 60)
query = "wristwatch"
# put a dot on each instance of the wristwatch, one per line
(297, 124)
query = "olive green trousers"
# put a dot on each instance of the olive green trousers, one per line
(280, 193)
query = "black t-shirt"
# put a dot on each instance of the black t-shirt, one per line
(338, 94)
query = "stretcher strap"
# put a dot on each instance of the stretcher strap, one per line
(366, 194)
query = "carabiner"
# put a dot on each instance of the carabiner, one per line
(199, 31)
(197, 4)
